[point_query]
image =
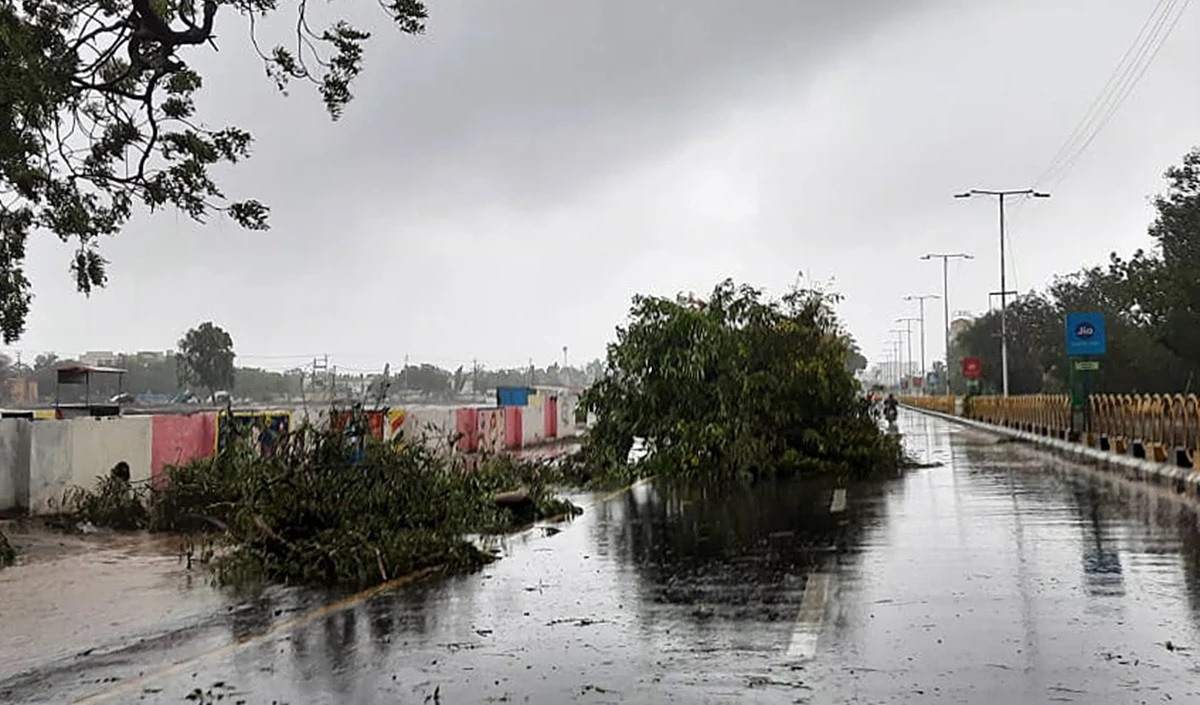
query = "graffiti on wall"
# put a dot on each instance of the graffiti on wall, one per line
(258, 430)
(491, 429)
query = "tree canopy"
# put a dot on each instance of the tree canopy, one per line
(97, 115)
(736, 384)
(205, 358)
(1150, 300)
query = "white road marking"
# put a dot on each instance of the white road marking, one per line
(839, 501)
(807, 632)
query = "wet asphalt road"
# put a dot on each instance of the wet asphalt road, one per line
(1002, 576)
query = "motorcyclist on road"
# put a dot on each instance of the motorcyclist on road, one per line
(890, 408)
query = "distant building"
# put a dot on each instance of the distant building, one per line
(153, 355)
(22, 391)
(99, 358)
(959, 326)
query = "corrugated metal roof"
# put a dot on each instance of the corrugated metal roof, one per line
(87, 369)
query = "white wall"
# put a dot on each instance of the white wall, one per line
(14, 464)
(533, 420)
(567, 404)
(432, 425)
(76, 452)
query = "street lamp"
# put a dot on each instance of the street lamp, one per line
(921, 301)
(898, 344)
(1001, 195)
(945, 258)
(908, 331)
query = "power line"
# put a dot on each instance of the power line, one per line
(1128, 73)
(1091, 113)
(1125, 77)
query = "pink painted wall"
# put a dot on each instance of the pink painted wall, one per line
(468, 426)
(177, 439)
(512, 427)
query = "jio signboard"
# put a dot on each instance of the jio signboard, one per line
(1085, 334)
(972, 368)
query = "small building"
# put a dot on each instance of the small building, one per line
(82, 375)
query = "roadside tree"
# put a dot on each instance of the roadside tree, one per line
(205, 358)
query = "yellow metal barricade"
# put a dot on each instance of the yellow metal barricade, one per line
(943, 403)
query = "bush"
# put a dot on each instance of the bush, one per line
(114, 503)
(735, 386)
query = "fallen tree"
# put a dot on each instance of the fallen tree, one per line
(328, 508)
(737, 385)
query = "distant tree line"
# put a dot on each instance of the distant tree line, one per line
(204, 365)
(1151, 304)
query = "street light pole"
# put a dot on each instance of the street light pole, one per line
(945, 258)
(1001, 195)
(908, 331)
(921, 302)
(899, 347)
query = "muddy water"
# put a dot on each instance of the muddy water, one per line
(1001, 576)
(84, 594)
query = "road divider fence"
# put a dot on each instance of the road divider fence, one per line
(1159, 427)
(943, 403)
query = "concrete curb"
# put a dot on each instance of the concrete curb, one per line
(1184, 481)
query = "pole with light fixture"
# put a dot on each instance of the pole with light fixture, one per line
(1001, 195)
(908, 331)
(920, 299)
(945, 258)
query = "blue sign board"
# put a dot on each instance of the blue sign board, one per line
(1085, 334)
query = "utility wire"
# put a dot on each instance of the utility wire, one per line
(1134, 64)
(1125, 77)
(1093, 109)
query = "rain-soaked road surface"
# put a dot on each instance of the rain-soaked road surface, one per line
(1000, 577)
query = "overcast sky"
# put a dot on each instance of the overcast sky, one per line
(503, 185)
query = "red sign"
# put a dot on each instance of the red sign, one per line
(972, 368)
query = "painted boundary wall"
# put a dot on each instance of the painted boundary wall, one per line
(41, 459)
(75, 452)
(175, 440)
(492, 430)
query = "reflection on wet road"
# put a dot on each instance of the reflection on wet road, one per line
(999, 577)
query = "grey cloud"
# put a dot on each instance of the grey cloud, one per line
(579, 153)
(531, 100)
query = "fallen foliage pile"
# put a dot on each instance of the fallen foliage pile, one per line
(325, 508)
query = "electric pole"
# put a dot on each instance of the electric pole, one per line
(946, 301)
(897, 345)
(908, 331)
(921, 301)
(1000, 196)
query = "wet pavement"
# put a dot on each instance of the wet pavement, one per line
(1001, 576)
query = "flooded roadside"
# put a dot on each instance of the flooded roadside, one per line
(71, 594)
